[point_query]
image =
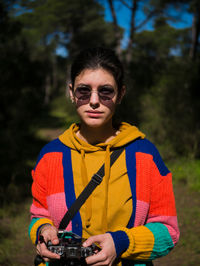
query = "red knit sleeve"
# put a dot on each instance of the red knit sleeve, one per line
(162, 202)
(39, 190)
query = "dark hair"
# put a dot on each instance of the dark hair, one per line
(94, 58)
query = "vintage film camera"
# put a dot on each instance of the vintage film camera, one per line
(70, 246)
(70, 250)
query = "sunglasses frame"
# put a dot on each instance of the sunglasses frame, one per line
(86, 97)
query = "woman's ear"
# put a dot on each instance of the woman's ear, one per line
(71, 93)
(122, 93)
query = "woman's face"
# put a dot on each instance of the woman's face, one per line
(95, 94)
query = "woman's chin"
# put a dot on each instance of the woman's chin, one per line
(94, 123)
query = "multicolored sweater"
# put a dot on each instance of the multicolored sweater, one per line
(134, 203)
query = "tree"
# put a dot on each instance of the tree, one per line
(195, 9)
(19, 103)
(70, 25)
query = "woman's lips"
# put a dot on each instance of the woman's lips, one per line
(94, 113)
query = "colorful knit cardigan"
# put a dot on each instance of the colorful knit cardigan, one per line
(152, 230)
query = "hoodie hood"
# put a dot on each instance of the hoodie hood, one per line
(127, 133)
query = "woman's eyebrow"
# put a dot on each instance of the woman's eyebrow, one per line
(106, 85)
(83, 84)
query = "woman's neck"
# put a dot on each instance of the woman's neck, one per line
(97, 135)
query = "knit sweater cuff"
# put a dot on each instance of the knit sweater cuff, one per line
(35, 226)
(121, 241)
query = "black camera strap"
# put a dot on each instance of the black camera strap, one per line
(94, 182)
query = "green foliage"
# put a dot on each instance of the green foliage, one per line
(151, 54)
(182, 107)
(63, 108)
(170, 109)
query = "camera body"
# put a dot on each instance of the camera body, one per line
(70, 247)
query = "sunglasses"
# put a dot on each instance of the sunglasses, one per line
(105, 93)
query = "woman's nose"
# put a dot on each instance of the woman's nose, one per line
(94, 98)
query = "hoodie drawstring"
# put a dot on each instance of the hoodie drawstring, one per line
(106, 180)
(88, 203)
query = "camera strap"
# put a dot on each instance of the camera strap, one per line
(94, 182)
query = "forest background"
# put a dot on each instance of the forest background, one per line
(158, 43)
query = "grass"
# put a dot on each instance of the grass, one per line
(15, 248)
(186, 171)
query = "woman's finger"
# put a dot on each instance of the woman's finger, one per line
(45, 253)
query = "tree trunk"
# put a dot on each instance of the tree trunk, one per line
(116, 28)
(132, 32)
(47, 89)
(54, 74)
(195, 33)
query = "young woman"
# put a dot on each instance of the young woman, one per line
(131, 214)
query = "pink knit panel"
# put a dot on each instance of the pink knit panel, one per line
(38, 212)
(57, 208)
(141, 212)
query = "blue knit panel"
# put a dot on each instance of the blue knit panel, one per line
(69, 190)
(53, 146)
(145, 146)
(131, 171)
(121, 241)
(163, 242)
(37, 233)
(57, 146)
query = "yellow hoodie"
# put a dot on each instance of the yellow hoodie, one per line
(105, 208)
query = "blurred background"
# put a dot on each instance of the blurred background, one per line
(158, 43)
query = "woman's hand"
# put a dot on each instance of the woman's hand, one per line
(49, 233)
(107, 255)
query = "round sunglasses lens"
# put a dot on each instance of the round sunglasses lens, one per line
(106, 94)
(82, 93)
